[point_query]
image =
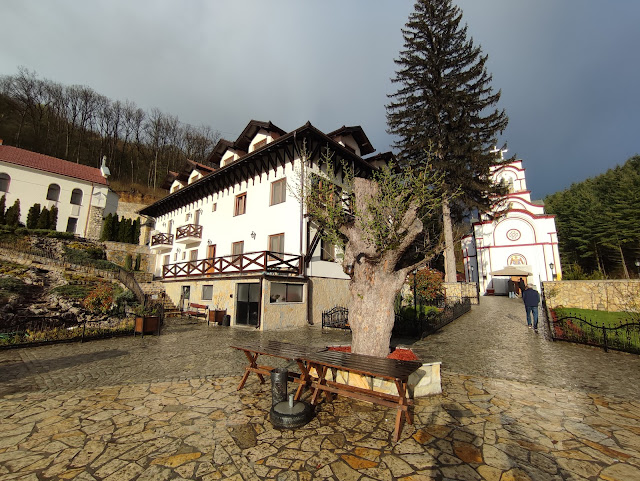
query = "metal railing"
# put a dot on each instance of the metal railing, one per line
(261, 261)
(407, 326)
(622, 336)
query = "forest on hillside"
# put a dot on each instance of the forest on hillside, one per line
(598, 224)
(78, 124)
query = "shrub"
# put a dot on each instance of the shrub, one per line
(428, 284)
(3, 207)
(100, 299)
(12, 216)
(33, 216)
(73, 291)
(11, 284)
(128, 262)
(60, 235)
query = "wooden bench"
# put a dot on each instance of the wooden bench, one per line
(315, 363)
(197, 310)
(282, 350)
(391, 370)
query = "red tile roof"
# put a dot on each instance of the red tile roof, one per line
(46, 163)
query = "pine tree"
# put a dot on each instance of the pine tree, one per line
(3, 208)
(445, 106)
(115, 225)
(33, 216)
(13, 214)
(53, 218)
(136, 231)
(107, 228)
(43, 219)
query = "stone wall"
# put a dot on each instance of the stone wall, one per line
(458, 290)
(117, 253)
(325, 294)
(94, 223)
(601, 295)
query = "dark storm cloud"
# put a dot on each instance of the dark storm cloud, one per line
(566, 68)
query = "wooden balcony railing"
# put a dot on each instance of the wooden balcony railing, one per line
(189, 230)
(263, 261)
(162, 239)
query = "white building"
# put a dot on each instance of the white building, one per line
(238, 238)
(524, 237)
(80, 193)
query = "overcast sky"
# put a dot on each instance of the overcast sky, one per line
(568, 69)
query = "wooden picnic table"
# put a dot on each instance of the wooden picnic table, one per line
(319, 361)
(282, 350)
(392, 370)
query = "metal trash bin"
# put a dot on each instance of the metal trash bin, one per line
(227, 320)
(279, 385)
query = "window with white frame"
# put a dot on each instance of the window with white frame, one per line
(278, 191)
(240, 204)
(207, 293)
(76, 197)
(53, 193)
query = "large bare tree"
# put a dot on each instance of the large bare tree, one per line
(388, 225)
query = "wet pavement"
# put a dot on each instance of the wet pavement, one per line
(514, 407)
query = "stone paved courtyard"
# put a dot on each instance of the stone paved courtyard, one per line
(515, 407)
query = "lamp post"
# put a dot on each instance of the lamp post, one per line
(638, 267)
(551, 266)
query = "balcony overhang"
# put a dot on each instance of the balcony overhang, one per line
(161, 242)
(189, 234)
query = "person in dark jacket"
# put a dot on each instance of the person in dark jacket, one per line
(521, 285)
(531, 300)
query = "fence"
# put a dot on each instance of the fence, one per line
(623, 336)
(421, 326)
(407, 326)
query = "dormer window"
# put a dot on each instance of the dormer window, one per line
(260, 144)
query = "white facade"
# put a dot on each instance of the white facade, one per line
(524, 237)
(78, 201)
(252, 204)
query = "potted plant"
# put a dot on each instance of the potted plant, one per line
(218, 312)
(147, 318)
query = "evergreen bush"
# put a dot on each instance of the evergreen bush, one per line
(33, 216)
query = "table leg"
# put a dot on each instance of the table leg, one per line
(322, 373)
(252, 367)
(305, 378)
(403, 410)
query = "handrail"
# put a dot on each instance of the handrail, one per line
(266, 261)
(189, 230)
(162, 238)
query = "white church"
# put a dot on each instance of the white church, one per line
(523, 240)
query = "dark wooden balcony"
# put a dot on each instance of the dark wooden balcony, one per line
(188, 233)
(251, 262)
(162, 239)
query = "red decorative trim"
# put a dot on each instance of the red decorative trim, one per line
(511, 246)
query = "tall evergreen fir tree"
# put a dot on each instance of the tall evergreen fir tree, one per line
(32, 216)
(13, 214)
(107, 228)
(445, 106)
(43, 219)
(3, 208)
(53, 218)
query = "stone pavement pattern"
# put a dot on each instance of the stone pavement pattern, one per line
(190, 425)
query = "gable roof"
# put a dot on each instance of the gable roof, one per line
(358, 134)
(46, 163)
(279, 152)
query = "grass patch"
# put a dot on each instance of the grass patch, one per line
(609, 319)
(74, 291)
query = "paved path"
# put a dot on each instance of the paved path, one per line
(514, 407)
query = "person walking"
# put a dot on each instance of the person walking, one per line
(531, 300)
(511, 287)
(521, 285)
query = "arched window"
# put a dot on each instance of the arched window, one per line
(5, 180)
(76, 197)
(54, 192)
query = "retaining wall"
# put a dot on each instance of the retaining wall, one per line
(601, 295)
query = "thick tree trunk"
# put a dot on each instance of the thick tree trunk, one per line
(624, 264)
(449, 248)
(371, 314)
